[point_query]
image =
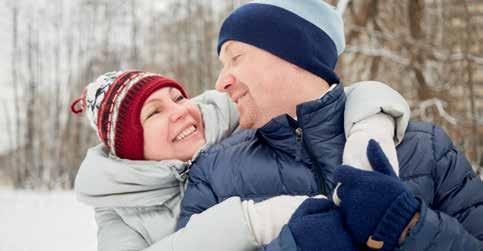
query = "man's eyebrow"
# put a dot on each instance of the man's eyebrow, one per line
(226, 48)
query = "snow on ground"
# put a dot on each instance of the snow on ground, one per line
(52, 221)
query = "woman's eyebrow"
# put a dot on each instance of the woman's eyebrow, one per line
(150, 102)
(171, 89)
(146, 108)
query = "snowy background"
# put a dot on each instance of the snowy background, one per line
(52, 221)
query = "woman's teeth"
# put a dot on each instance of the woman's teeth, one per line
(185, 133)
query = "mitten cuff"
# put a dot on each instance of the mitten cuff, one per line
(395, 219)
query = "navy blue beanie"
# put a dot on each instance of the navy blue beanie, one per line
(306, 33)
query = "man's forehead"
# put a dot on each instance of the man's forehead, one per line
(230, 46)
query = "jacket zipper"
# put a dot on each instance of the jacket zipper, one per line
(315, 163)
(190, 163)
(298, 135)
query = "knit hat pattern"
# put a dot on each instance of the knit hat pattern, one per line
(113, 104)
(306, 33)
(95, 93)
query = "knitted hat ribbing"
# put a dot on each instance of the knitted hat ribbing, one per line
(113, 104)
(306, 33)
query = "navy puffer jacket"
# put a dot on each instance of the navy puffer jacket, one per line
(299, 157)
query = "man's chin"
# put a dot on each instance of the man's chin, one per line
(247, 123)
(251, 124)
(249, 119)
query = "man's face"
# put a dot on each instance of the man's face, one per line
(257, 81)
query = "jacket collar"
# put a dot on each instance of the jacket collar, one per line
(106, 182)
(322, 118)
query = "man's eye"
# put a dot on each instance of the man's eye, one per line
(235, 58)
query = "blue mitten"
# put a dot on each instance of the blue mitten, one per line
(317, 225)
(376, 205)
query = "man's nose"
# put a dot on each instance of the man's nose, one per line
(178, 112)
(225, 82)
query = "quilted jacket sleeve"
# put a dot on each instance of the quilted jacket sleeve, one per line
(203, 232)
(454, 221)
(199, 195)
(367, 98)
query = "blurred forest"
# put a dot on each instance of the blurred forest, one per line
(429, 50)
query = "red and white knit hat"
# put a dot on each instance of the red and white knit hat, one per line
(113, 104)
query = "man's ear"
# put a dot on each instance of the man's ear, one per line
(306, 76)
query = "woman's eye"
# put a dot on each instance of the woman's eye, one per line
(178, 99)
(152, 114)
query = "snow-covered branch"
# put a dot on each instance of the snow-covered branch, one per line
(421, 110)
(439, 54)
(459, 56)
(379, 52)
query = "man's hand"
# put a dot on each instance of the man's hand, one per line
(376, 206)
(317, 225)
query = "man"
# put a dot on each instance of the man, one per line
(278, 61)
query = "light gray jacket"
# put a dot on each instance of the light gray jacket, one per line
(137, 203)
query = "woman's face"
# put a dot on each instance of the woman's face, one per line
(173, 126)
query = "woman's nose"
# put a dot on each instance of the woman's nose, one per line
(178, 112)
(224, 82)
